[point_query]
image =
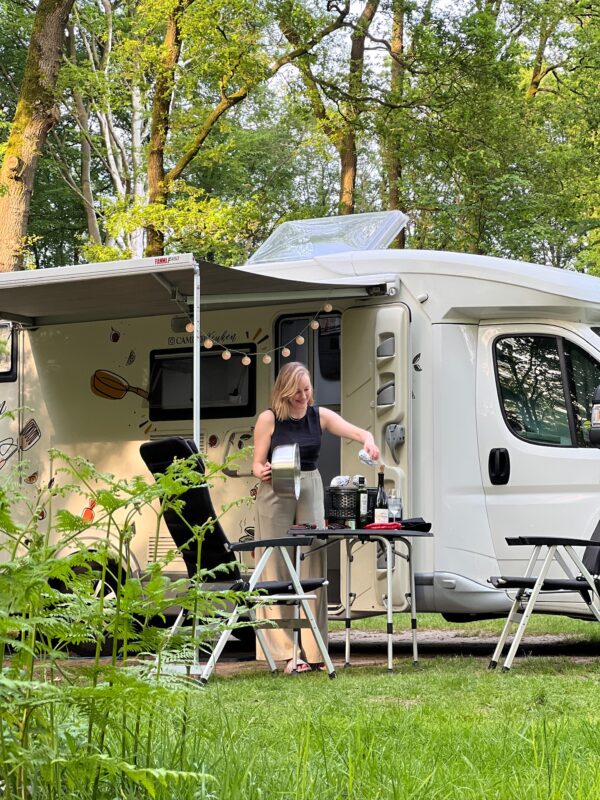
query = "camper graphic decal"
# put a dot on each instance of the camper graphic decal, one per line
(87, 515)
(114, 335)
(30, 434)
(130, 358)
(111, 386)
(8, 447)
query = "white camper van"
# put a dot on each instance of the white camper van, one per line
(475, 375)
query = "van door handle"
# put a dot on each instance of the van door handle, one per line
(499, 466)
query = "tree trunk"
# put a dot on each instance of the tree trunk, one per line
(392, 145)
(347, 148)
(35, 115)
(163, 93)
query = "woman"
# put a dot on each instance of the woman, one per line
(293, 418)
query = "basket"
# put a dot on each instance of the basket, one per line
(340, 503)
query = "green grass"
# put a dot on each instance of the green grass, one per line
(449, 729)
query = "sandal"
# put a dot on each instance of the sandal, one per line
(301, 666)
(320, 667)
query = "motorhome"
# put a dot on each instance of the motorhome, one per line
(475, 375)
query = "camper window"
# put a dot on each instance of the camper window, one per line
(8, 352)
(546, 385)
(320, 351)
(227, 388)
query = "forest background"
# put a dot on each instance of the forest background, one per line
(199, 125)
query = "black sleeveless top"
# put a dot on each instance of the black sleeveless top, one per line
(306, 432)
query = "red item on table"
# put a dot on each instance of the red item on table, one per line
(384, 526)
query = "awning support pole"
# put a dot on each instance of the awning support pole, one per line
(196, 356)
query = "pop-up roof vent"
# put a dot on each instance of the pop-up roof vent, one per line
(307, 238)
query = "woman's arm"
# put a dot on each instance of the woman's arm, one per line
(263, 431)
(332, 422)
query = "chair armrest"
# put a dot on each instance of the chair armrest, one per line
(532, 541)
(285, 541)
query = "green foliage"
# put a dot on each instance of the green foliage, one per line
(100, 732)
(488, 161)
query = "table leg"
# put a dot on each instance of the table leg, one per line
(348, 615)
(413, 603)
(389, 555)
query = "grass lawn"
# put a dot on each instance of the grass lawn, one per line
(448, 729)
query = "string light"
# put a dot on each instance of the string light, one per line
(283, 350)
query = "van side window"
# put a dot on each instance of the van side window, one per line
(320, 351)
(584, 374)
(228, 388)
(8, 353)
(546, 385)
(532, 393)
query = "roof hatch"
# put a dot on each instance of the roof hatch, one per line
(309, 238)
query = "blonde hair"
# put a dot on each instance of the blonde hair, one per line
(285, 387)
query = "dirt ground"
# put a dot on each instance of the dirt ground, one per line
(369, 648)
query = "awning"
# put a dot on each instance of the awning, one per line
(145, 287)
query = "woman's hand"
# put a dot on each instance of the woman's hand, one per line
(262, 471)
(370, 446)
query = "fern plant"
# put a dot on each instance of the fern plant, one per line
(99, 730)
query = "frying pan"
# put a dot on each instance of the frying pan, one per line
(112, 386)
(285, 470)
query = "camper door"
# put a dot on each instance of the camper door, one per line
(376, 394)
(540, 474)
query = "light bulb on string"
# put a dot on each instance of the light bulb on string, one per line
(246, 360)
(189, 326)
(266, 359)
(208, 343)
(314, 324)
(327, 308)
(299, 339)
(285, 352)
(225, 355)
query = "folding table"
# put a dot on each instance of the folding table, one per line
(387, 539)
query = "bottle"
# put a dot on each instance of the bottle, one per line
(362, 504)
(381, 501)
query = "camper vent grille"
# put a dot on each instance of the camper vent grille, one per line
(165, 543)
(154, 437)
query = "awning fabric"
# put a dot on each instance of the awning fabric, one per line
(141, 288)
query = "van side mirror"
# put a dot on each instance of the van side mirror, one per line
(595, 418)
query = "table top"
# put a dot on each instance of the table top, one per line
(358, 533)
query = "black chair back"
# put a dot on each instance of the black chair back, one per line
(198, 508)
(591, 555)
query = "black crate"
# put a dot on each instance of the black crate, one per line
(340, 503)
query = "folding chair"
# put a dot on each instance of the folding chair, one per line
(530, 586)
(216, 550)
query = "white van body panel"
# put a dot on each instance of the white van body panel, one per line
(444, 310)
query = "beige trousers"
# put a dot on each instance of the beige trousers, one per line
(274, 515)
